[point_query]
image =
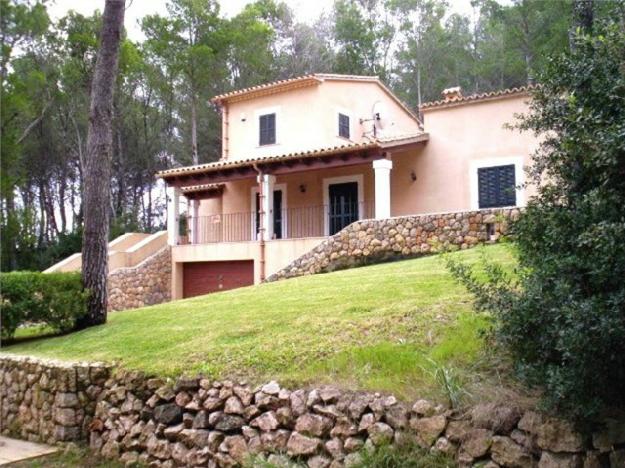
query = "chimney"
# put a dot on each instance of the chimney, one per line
(451, 94)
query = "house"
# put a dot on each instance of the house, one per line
(305, 157)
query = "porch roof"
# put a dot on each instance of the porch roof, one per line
(202, 191)
(335, 156)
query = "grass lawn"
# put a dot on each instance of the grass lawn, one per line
(406, 455)
(384, 327)
(75, 457)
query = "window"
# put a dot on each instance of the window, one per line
(496, 186)
(343, 125)
(267, 126)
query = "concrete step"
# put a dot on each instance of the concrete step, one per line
(127, 250)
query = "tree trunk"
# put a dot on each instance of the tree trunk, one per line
(42, 209)
(48, 203)
(97, 170)
(62, 189)
(419, 86)
(194, 129)
(583, 17)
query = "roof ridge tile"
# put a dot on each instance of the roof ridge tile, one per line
(478, 96)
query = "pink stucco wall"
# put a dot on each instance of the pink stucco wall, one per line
(461, 138)
(307, 118)
(439, 176)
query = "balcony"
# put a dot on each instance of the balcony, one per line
(288, 223)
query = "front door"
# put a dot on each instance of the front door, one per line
(277, 214)
(343, 209)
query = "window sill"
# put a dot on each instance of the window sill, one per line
(499, 207)
(268, 145)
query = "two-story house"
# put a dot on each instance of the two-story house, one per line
(303, 158)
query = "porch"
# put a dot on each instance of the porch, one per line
(268, 207)
(286, 223)
(265, 213)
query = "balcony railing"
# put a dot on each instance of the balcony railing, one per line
(289, 223)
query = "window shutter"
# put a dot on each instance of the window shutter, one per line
(267, 126)
(496, 186)
(344, 125)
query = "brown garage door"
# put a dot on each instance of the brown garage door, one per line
(207, 277)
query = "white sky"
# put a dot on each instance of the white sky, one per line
(305, 10)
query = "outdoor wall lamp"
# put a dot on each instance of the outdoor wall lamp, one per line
(413, 176)
(302, 188)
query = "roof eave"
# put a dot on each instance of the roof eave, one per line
(265, 90)
(477, 98)
(392, 144)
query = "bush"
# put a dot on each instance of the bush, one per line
(54, 299)
(563, 316)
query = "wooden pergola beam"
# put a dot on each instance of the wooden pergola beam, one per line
(278, 167)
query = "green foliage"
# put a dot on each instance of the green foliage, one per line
(32, 255)
(402, 455)
(563, 316)
(303, 330)
(55, 299)
(449, 383)
(164, 85)
(364, 32)
(71, 456)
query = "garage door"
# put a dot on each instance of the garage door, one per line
(207, 277)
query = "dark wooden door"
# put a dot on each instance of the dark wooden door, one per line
(343, 208)
(277, 214)
(208, 277)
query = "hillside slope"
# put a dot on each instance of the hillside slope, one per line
(382, 327)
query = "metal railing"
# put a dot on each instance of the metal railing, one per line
(303, 221)
(226, 227)
(290, 223)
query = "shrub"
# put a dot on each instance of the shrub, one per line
(54, 299)
(563, 316)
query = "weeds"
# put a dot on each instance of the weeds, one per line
(449, 382)
(406, 455)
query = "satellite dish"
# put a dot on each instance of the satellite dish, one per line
(379, 116)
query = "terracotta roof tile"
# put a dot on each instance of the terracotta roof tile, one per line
(264, 86)
(383, 142)
(201, 188)
(313, 78)
(306, 80)
(477, 97)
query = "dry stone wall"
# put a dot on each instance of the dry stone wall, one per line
(372, 240)
(197, 422)
(147, 283)
(48, 401)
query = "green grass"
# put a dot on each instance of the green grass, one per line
(380, 327)
(72, 456)
(33, 331)
(403, 455)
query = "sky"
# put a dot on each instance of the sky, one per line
(305, 10)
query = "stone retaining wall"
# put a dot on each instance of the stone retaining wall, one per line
(147, 283)
(48, 401)
(197, 422)
(371, 241)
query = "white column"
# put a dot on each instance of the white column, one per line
(194, 221)
(173, 215)
(267, 184)
(382, 169)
